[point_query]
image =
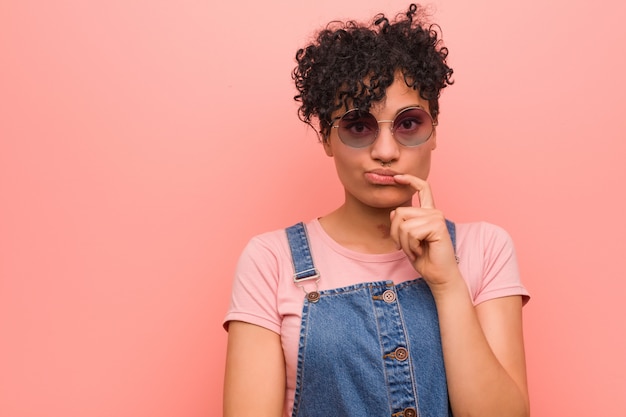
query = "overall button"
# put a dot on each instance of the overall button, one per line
(401, 354)
(410, 412)
(389, 296)
(313, 296)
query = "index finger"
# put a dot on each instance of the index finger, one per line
(423, 189)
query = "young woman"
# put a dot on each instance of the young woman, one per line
(381, 307)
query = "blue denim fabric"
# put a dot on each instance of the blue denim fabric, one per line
(370, 349)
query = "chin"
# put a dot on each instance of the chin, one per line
(387, 202)
(381, 197)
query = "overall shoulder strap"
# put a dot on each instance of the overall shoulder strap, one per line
(452, 231)
(303, 266)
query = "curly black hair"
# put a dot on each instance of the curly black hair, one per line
(350, 64)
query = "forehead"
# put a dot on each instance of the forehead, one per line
(397, 97)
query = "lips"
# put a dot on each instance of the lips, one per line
(381, 176)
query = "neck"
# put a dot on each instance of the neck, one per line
(360, 228)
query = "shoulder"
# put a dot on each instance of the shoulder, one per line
(488, 261)
(269, 251)
(257, 281)
(272, 243)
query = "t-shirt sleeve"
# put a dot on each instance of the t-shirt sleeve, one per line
(500, 272)
(255, 286)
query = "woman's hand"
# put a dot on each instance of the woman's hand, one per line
(421, 232)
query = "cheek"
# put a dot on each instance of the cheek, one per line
(420, 167)
(347, 165)
(344, 167)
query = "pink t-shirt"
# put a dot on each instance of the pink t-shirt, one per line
(264, 292)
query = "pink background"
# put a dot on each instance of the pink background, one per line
(143, 142)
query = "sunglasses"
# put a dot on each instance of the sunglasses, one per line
(358, 129)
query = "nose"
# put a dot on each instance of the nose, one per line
(385, 148)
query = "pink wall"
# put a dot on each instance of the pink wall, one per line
(143, 142)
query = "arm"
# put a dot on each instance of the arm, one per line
(483, 347)
(254, 384)
(483, 353)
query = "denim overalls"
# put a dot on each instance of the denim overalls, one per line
(372, 349)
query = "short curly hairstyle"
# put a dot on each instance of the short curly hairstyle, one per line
(350, 65)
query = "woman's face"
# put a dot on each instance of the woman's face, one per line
(366, 173)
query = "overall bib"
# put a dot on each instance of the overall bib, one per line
(371, 349)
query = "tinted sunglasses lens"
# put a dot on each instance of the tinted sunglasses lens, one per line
(412, 127)
(358, 129)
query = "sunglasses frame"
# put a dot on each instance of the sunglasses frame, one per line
(339, 118)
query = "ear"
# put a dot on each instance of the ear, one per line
(327, 148)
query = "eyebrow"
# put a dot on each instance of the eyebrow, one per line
(401, 109)
(409, 106)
